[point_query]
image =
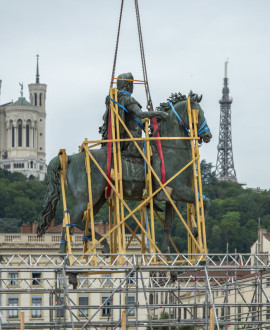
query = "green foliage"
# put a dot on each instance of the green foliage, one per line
(232, 218)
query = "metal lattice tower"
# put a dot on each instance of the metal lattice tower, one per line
(225, 166)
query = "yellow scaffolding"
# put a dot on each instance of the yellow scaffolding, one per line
(117, 205)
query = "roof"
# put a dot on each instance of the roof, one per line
(267, 236)
(4, 105)
(22, 101)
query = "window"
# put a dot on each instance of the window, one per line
(13, 301)
(60, 312)
(60, 280)
(268, 282)
(40, 99)
(268, 312)
(131, 279)
(35, 98)
(151, 299)
(27, 135)
(13, 278)
(107, 279)
(83, 280)
(83, 301)
(36, 278)
(13, 136)
(106, 311)
(222, 312)
(239, 311)
(185, 312)
(19, 135)
(179, 313)
(253, 313)
(228, 311)
(33, 137)
(131, 302)
(36, 302)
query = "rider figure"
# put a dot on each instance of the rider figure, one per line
(125, 89)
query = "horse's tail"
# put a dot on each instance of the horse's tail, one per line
(51, 198)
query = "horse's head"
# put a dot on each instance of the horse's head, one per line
(203, 130)
(178, 122)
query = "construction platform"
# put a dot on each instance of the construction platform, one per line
(229, 291)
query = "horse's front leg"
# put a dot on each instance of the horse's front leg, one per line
(168, 223)
(185, 194)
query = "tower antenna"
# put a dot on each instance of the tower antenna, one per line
(225, 166)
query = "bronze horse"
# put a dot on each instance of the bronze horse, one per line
(177, 153)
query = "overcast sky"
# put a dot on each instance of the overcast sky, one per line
(186, 44)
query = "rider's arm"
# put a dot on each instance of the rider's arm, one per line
(136, 110)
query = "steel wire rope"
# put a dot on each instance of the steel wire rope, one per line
(117, 42)
(139, 28)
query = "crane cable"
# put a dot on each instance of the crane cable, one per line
(145, 78)
(117, 42)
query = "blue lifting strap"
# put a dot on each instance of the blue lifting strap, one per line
(87, 238)
(181, 121)
(125, 92)
(201, 130)
(126, 110)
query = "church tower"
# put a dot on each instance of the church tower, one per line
(37, 95)
(22, 124)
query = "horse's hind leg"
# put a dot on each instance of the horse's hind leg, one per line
(168, 223)
(75, 217)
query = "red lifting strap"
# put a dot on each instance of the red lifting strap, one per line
(109, 153)
(160, 153)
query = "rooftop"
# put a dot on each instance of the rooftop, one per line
(22, 101)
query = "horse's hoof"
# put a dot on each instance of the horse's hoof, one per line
(106, 249)
(72, 279)
(173, 276)
(62, 248)
(194, 231)
(156, 207)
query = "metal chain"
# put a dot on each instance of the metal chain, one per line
(117, 42)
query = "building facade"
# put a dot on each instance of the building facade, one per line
(23, 132)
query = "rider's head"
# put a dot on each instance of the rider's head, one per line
(126, 85)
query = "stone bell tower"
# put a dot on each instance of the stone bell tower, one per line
(22, 132)
(37, 95)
